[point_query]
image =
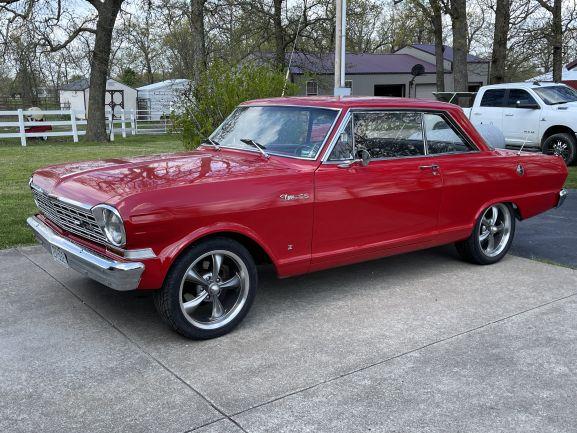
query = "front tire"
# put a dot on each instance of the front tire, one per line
(563, 145)
(209, 289)
(492, 236)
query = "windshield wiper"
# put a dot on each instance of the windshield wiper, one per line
(253, 143)
(211, 142)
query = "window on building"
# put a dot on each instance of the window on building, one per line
(349, 84)
(312, 88)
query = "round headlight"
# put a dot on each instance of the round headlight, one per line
(111, 224)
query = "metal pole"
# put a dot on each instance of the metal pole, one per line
(340, 48)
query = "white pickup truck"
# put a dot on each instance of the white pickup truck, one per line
(537, 116)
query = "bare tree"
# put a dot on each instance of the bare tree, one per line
(500, 37)
(435, 11)
(556, 37)
(457, 9)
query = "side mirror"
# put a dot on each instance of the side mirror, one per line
(365, 157)
(529, 106)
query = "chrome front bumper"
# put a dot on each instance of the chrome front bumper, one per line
(562, 197)
(114, 274)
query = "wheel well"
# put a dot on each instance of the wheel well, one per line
(557, 129)
(516, 211)
(257, 252)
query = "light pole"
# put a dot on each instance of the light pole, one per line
(340, 48)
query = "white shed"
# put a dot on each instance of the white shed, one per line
(160, 99)
(118, 96)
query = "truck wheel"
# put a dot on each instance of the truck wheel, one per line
(563, 145)
(491, 237)
(209, 289)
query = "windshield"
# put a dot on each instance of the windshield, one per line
(553, 95)
(279, 130)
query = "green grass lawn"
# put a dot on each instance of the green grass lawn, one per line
(17, 164)
(572, 179)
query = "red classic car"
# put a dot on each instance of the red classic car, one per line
(302, 183)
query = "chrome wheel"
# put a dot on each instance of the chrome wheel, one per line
(494, 230)
(561, 148)
(214, 289)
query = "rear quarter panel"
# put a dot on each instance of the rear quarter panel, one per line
(472, 182)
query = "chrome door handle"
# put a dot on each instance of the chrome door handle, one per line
(509, 114)
(433, 167)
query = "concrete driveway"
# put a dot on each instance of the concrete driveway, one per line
(416, 343)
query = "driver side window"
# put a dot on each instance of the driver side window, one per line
(343, 149)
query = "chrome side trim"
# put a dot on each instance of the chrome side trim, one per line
(117, 275)
(562, 196)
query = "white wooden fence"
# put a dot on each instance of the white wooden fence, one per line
(68, 123)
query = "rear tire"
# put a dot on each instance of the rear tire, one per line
(491, 237)
(563, 145)
(209, 289)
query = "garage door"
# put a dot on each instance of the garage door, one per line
(425, 91)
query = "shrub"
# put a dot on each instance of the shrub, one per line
(220, 88)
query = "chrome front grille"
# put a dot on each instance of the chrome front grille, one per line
(73, 219)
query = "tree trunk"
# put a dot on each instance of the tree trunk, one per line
(458, 13)
(198, 50)
(107, 13)
(279, 55)
(557, 42)
(437, 21)
(499, 55)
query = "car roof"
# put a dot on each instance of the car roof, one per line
(521, 85)
(343, 102)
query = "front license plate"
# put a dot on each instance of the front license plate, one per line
(59, 256)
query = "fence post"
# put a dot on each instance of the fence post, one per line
(123, 119)
(111, 120)
(74, 126)
(132, 123)
(21, 127)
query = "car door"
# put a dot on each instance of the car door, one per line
(521, 117)
(466, 181)
(489, 111)
(361, 211)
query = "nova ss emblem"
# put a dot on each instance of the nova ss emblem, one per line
(290, 197)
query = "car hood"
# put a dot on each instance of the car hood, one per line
(111, 180)
(569, 106)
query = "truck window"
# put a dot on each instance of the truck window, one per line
(493, 98)
(519, 95)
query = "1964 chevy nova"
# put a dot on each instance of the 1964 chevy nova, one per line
(302, 183)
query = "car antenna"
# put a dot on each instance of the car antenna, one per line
(523, 145)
